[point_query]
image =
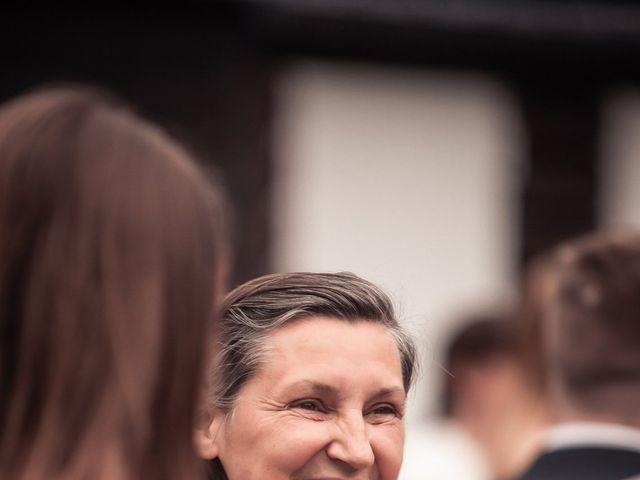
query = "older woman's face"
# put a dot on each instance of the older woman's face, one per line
(327, 404)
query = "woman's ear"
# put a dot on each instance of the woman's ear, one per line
(205, 436)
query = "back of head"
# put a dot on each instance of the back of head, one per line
(591, 323)
(108, 250)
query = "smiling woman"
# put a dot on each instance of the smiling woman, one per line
(310, 382)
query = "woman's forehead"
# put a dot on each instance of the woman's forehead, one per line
(327, 350)
(328, 333)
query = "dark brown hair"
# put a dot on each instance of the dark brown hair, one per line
(535, 295)
(591, 317)
(109, 239)
(483, 338)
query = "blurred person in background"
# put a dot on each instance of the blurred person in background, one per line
(488, 395)
(310, 382)
(110, 239)
(588, 324)
(492, 415)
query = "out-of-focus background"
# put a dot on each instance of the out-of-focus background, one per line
(429, 146)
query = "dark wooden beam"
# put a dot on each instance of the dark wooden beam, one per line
(192, 72)
(560, 189)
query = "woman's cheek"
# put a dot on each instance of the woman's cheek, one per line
(387, 442)
(306, 443)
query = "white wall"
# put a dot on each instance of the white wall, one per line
(620, 148)
(410, 179)
(405, 177)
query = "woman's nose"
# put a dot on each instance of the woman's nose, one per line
(351, 443)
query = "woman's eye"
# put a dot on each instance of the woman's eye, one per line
(384, 409)
(311, 405)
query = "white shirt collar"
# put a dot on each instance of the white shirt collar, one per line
(592, 434)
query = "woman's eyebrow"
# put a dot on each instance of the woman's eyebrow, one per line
(320, 388)
(389, 392)
(317, 387)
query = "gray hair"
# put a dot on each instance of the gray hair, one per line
(254, 309)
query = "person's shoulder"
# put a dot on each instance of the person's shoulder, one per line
(584, 463)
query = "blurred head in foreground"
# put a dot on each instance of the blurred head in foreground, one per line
(109, 245)
(310, 381)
